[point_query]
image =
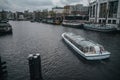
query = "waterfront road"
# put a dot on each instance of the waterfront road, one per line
(59, 61)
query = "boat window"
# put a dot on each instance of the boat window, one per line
(76, 17)
(79, 17)
(102, 48)
(69, 18)
(85, 50)
(76, 44)
(92, 49)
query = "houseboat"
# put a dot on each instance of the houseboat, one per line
(101, 27)
(74, 21)
(58, 20)
(86, 48)
(50, 20)
(44, 20)
(5, 27)
(54, 20)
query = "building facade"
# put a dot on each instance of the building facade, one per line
(105, 11)
(58, 11)
(3, 15)
(19, 16)
(79, 9)
(27, 15)
(10, 15)
(67, 10)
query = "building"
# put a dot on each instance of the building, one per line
(27, 15)
(67, 10)
(79, 9)
(10, 15)
(58, 11)
(36, 15)
(19, 16)
(105, 11)
(3, 15)
(51, 14)
(44, 13)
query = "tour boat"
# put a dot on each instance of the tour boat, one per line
(86, 48)
(101, 27)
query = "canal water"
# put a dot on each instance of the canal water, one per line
(59, 61)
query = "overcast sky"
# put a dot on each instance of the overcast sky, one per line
(21, 5)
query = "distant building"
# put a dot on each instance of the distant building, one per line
(19, 15)
(37, 15)
(51, 14)
(105, 11)
(58, 11)
(3, 15)
(67, 10)
(79, 9)
(44, 13)
(10, 15)
(27, 15)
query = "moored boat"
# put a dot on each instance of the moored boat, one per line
(54, 20)
(50, 20)
(73, 24)
(5, 27)
(44, 20)
(57, 20)
(86, 48)
(74, 21)
(101, 27)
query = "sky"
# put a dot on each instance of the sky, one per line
(31, 5)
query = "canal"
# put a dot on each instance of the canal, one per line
(59, 61)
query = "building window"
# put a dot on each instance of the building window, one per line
(100, 21)
(113, 6)
(114, 21)
(103, 10)
(90, 10)
(94, 11)
(109, 21)
(104, 21)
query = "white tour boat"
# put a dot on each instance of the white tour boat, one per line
(86, 48)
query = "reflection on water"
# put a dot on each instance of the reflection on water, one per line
(59, 61)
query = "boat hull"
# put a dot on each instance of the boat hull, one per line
(86, 56)
(72, 25)
(5, 28)
(6, 31)
(99, 30)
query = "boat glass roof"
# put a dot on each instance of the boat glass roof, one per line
(82, 41)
